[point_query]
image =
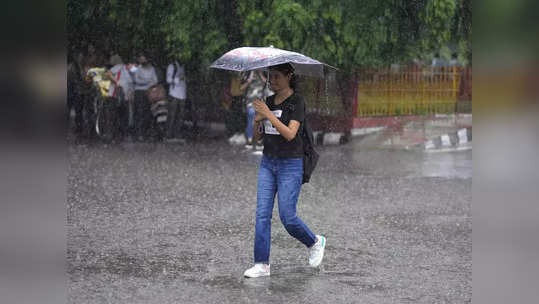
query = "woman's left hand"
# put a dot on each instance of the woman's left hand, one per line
(261, 107)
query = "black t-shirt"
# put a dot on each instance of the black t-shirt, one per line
(275, 145)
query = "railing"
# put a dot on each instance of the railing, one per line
(412, 90)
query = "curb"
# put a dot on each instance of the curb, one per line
(329, 138)
(456, 140)
(322, 138)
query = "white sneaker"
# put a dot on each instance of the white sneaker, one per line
(233, 139)
(237, 139)
(259, 270)
(317, 251)
(240, 139)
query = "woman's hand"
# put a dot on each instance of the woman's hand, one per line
(261, 108)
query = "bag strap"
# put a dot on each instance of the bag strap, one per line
(306, 132)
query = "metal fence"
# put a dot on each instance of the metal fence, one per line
(412, 90)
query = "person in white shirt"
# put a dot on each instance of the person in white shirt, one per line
(121, 89)
(177, 91)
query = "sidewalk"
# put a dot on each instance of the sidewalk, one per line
(434, 131)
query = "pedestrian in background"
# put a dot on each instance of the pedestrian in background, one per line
(144, 77)
(255, 90)
(235, 121)
(85, 111)
(122, 92)
(177, 98)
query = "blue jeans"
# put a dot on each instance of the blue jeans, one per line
(281, 176)
(250, 121)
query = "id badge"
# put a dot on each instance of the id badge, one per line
(268, 126)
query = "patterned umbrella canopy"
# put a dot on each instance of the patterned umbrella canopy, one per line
(252, 58)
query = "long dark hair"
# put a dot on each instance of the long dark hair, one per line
(286, 69)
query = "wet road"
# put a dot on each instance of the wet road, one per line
(158, 223)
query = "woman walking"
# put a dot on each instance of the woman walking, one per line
(281, 169)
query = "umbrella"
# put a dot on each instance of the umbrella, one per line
(252, 58)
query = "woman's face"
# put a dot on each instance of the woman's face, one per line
(278, 80)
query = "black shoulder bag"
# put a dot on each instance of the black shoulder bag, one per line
(310, 156)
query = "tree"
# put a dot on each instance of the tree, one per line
(462, 29)
(347, 34)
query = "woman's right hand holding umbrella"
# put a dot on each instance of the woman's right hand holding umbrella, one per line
(261, 110)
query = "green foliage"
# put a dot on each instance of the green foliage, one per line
(347, 34)
(350, 34)
(462, 30)
(437, 18)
